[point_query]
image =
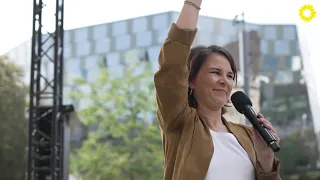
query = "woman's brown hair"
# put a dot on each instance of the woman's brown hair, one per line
(197, 57)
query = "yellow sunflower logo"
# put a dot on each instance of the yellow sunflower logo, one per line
(307, 13)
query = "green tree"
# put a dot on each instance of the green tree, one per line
(125, 143)
(299, 153)
(13, 124)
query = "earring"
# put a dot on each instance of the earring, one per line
(190, 92)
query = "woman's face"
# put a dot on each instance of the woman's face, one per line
(213, 84)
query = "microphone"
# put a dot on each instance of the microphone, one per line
(244, 106)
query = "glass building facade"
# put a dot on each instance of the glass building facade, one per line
(272, 50)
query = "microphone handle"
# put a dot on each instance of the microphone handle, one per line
(264, 133)
(273, 144)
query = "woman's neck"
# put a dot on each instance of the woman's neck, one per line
(212, 117)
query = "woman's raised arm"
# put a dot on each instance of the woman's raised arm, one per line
(171, 80)
(189, 14)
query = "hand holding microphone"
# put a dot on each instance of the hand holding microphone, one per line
(265, 139)
(263, 127)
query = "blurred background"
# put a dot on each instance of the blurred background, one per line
(82, 100)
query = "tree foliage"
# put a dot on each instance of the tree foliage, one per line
(124, 142)
(299, 154)
(13, 125)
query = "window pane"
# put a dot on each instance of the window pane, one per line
(83, 103)
(66, 95)
(269, 33)
(144, 39)
(227, 28)
(160, 21)
(99, 32)
(114, 65)
(204, 38)
(282, 47)
(284, 77)
(92, 63)
(264, 47)
(119, 28)
(223, 40)
(67, 53)
(174, 16)
(161, 35)
(67, 36)
(139, 25)
(153, 53)
(103, 45)
(289, 32)
(123, 42)
(92, 67)
(81, 34)
(134, 55)
(83, 49)
(270, 62)
(206, 24)
(84, 73)
(72, 70)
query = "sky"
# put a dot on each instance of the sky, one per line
(16, 19)
(16, 15)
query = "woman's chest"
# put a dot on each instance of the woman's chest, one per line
(200, 149)
(229, 159)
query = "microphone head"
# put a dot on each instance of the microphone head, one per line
(240, 101)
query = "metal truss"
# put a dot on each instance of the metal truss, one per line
(45, 148)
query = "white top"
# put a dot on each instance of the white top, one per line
(229, 161)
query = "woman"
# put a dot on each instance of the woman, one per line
(193, 88)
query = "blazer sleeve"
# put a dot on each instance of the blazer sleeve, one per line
(171, 80)
(260, 175)
(274, 175)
